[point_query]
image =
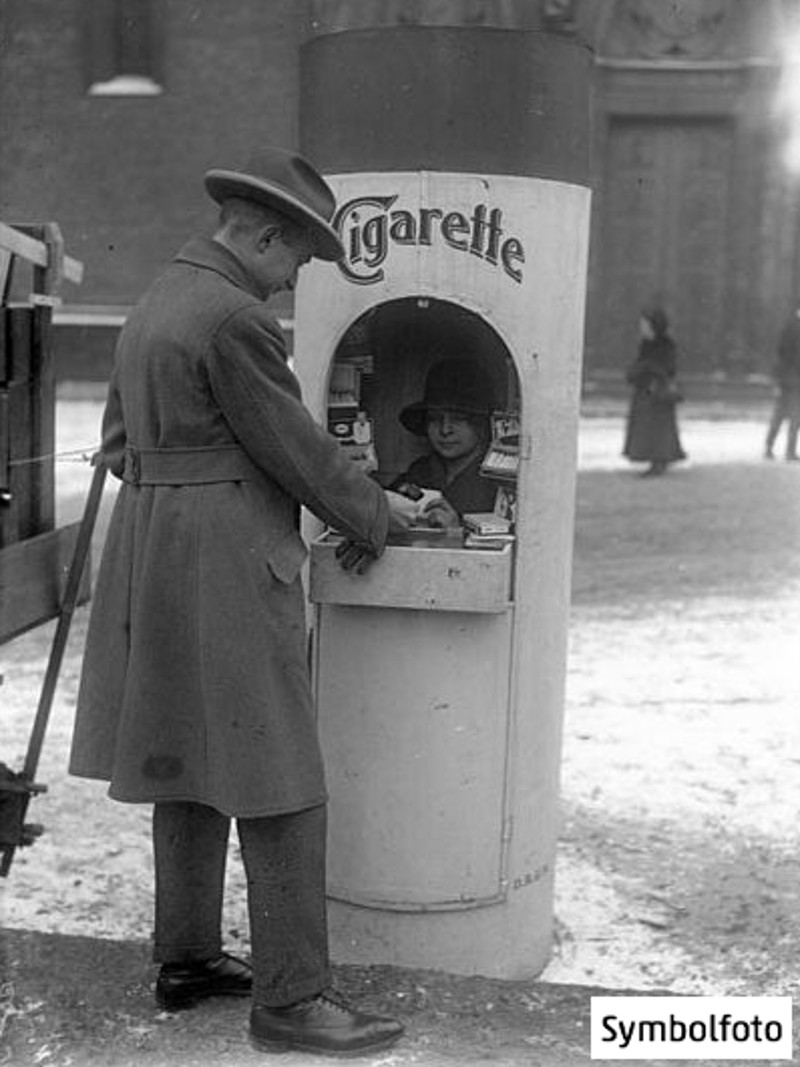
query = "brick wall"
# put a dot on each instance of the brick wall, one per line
(123, 175)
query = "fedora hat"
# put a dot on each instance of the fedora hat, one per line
(290, 185)
(452, 385)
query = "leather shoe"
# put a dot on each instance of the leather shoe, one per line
(181, 985)
(323, 1024)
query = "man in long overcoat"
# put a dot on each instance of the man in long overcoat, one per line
(195, 693)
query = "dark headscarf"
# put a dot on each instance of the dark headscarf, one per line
(658, 320)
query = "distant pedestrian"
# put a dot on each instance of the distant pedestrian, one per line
(787, 399)
(652, 429)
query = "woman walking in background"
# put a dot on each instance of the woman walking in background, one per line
(652, 428)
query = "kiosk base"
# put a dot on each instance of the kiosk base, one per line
(512, 940)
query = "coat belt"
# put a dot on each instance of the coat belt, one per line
(186, 466)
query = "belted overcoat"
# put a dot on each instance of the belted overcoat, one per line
(195, 682)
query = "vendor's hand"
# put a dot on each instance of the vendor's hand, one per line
(355, 556)
(402, 511)
(440, 515)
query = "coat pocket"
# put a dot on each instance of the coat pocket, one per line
(286, 557)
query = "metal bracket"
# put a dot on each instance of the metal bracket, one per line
(15, 793)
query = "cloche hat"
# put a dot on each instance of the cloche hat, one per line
(452, 385)
(288, 183)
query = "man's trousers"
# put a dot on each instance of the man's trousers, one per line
(284, 861)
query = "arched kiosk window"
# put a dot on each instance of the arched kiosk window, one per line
(380, 368)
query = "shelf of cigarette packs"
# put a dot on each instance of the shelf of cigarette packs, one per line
(497, 528)
(348, 420)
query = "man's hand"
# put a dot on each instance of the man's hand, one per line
(355, 556)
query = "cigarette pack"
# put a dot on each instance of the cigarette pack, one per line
(501, 461)
(486, 523)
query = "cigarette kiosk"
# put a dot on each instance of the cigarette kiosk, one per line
(439, 674)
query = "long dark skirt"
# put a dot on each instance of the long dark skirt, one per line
(651, 434)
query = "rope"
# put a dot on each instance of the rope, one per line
(70, 455)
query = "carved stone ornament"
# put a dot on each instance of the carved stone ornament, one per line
(331, 16)
(674, 29)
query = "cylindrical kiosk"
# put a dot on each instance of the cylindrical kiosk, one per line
(458, 157)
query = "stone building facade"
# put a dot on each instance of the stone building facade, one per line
(694, 206)
(113, 109)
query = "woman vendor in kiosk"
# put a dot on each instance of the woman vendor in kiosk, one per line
(454, 415)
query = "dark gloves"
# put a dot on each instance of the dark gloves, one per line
(355, 556)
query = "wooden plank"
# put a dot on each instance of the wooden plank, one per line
(5, 355)
(5, 470)
(18, 340)
(32, 578)
(93, 315)
(43, 420)
(19, 522)
(20, 244)
(69, 600)
(36, 252)
(5, 271)
(29, 425)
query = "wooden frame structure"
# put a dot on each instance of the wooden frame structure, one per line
(43, 572)
(33, 554)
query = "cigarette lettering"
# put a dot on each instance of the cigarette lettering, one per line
(370, 225)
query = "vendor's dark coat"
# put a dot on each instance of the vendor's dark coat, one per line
(468, 491)
(195, 681)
